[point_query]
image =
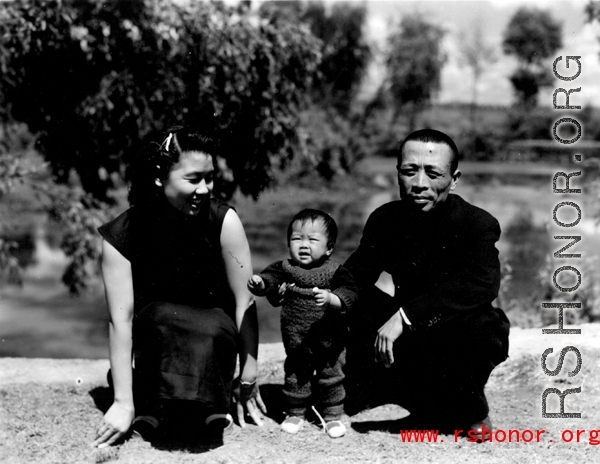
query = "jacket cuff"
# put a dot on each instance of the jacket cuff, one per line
(405, 317)
(347, 297)
(269, 284)
(419, 323)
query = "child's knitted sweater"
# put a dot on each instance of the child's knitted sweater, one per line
(304, 324)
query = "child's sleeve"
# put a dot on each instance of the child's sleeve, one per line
(344, 287)
(273, 276)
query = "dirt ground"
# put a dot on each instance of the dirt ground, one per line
(49, 409)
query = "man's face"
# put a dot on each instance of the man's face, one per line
(424, 174)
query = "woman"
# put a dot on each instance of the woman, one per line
(175, 267)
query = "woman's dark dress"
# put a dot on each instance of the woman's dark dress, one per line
(184, 335)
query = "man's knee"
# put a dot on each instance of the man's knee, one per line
(487, 334)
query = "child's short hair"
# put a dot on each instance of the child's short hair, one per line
(313, 215)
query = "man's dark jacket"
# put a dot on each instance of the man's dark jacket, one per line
(444, 263)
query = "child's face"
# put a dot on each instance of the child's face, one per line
(308, 244)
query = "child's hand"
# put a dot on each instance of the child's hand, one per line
(277, 299)
(256, 284)
(322, 296)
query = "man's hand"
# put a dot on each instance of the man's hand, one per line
(256, 284)
(386, 336)
(322, 296)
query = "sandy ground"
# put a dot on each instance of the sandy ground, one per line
(46, 406)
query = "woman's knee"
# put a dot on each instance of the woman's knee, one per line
(216, 324)
(156, 311)
(163, 321)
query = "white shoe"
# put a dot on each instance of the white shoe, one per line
(335, 429)
(292, 424)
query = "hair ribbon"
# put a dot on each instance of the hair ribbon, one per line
(168, 141)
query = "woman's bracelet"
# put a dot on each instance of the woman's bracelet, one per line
(247, 384)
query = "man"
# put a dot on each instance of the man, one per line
(432, 345)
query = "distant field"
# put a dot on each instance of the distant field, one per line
(450, 118)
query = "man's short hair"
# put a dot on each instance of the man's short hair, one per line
(313, 215)
(433, 136)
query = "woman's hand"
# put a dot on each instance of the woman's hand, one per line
(247, 398)
(115, 424)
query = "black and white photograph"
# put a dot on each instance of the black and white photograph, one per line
(297, 231)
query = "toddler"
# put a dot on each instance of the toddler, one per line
(313, 327)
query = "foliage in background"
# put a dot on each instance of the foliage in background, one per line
(532, 36)
(475, 53)
(528, 273)
(97, 79)
(81, 215)
(481, 143)
(413, 59)
(588, 293)
(331, 142)
(13, 173)
(527, 311)
(345, 53)
(330, 149)
(414, 62)
(24, 174)
(593, 127)
(94, 81)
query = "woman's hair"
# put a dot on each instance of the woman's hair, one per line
(158, 160)
(314, 215)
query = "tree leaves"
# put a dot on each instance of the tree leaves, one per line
(95, 81)
(414, 63)
(532, 36)
(99, 79)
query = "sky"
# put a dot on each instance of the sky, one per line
(579, 38)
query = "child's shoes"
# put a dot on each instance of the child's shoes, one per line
(335, 429)
(292, 424)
